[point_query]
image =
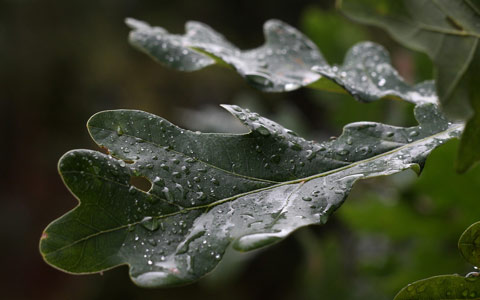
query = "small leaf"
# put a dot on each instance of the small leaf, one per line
(212, 190)
(469, 244)
(443, 287)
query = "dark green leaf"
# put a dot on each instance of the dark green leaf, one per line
(469, 244)
(443, 287)
(448, 31)
(210, 191)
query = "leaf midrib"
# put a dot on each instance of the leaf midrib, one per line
(213, 204)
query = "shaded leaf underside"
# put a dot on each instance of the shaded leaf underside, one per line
(212, 190)
(448, 31)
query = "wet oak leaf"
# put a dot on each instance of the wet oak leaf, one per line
(287, 61)
(449, 32)
(210, 191)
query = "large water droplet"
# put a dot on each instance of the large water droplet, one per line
(119, 130)
(263, 130)
(150, 223)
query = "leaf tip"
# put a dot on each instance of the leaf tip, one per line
(135, 24)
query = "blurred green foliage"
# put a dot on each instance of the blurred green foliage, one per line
(62, 61)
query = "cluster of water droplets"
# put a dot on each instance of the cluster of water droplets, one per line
(198, 202)
(171, 50)
(367, 74)
(283, 63)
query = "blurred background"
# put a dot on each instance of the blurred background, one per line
(62, 61)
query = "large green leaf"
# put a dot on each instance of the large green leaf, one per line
(212, 190)
(448, 31)
(287, 61)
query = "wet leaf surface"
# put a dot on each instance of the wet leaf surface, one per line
(448, 31)
(287, 61)
(210, 191)
(283, 63)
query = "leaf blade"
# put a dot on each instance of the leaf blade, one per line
(287, 61)
(449, 32)
(172, 234)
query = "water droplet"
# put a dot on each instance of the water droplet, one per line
(201, 196)
(150, 223)
(159, 181)
(310, 154)
(413, 133)
(295, 146)
(275, 158)
(132, 190)
(263, 130)
(291, 86)
(381, 82)
(168, 195)
(421, 288)
(119, 130)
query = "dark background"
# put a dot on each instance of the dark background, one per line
(62, 61)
